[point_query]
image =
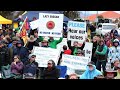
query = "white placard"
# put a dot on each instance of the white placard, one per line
(50, 24)
(88, 50)
(74, 63)
(76, 31)
(43, 55)
(35, 24)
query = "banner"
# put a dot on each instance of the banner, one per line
(76, 31)
(60, 45)
(88, 50)
(43, 55)
(74, 63)
(34, 24)
(50, 24)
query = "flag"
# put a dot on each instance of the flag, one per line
(23, 32)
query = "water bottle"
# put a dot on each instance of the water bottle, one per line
(108, 66)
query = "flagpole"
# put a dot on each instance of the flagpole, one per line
(23, 23)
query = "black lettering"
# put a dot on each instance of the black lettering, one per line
(45, 16)
(52, 16)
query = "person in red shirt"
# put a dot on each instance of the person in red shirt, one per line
(66, 50)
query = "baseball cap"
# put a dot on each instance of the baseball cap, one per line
(91, 63)
(31, 55)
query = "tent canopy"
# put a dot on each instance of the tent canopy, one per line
(4, 20)
(31, 14)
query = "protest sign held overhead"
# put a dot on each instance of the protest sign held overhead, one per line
(76, 31)
(43, 55)
(88, 50)
(50, 25)
(34, 24)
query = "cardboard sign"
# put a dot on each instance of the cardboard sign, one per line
(88, 50)
(76, 31)
(43, 55)
(74, 63)
(35, 24)
(50, 24)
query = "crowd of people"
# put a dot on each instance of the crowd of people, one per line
(17, 60)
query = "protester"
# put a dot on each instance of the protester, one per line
(91, 72)
(18, 35)
(94, 41)
(73, 76)
(31, 66)
(66, 50)
(21, 51)
(110, 74)
(14, 41)
(101, 55)
(118, 72)
(51, 72)
(75, 47)
(17, 68)
(80, 53)
(31, 43)
(116, 63)
(114, 51)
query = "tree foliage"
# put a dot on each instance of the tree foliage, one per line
(71, 14)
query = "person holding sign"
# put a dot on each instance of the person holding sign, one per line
(75, 47)
(51, 42)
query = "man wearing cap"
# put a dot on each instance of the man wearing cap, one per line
(14, 41)
(52, 43)
(4, 55)
(31, 66)
(114, 51)
(91, 72)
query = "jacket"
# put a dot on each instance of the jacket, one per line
(72, 48)
(22, 52)
(30, 44)
(30, 67)
(90, 74)
(52, 44)
(18, 68)
(101, 53)
(67, 52)
(4, 56)
(53, 74)
(118, 75)
(114, 52)
(11, 53)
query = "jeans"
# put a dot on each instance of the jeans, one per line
(99, 63)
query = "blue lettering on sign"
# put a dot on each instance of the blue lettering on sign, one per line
(46, 32)
(80, 25)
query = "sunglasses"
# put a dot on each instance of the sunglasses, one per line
(32, 57)
(15, 58)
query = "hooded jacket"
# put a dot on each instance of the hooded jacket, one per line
(114, 52)
(90, 74)
(22, 52)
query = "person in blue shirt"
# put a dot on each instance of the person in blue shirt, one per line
(91, 72)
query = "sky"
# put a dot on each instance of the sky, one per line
(93, 12)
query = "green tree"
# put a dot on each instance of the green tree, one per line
(71, 14)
